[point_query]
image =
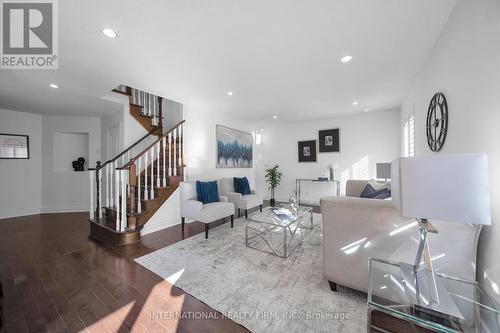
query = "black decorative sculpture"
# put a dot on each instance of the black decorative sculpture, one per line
(78, 164)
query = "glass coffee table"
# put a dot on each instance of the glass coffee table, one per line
(278, 234)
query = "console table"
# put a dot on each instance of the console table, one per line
(320, 188)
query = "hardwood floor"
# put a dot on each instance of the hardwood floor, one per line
(55, 279)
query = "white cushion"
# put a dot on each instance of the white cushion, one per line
(249, 201)
(225, 185)
(195, 210)
(213, 211)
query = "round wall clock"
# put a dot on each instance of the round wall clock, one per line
(437, 122)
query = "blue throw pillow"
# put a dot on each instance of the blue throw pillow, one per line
(384, 195)
(236, 184)
(367, 191)
(207, 192)
(241, 185)
(370, 193)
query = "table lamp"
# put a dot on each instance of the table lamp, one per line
(453, 188)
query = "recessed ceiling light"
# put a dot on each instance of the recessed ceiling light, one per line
(275, 117)
(109, 33)
(346, 59)
(230, 93)
(355, 103)
(53, 85)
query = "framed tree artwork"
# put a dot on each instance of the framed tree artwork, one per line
(329, 141)
(14, 146)
(307, 151)
(234, 148)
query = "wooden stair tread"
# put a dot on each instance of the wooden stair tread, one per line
(121, 92)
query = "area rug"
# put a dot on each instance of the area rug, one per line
(262, 292)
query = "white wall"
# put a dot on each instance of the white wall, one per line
(108, 122)
(465, 66)
(365, 139)
(64, 190)
(168, 215)
(20, 180)
(200, 147)
(172, 113)
(131, 129)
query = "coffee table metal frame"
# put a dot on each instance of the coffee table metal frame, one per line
(260, 226)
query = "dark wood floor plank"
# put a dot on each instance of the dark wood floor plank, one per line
(57, 280)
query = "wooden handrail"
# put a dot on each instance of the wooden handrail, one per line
(132, 160)
(128, 149)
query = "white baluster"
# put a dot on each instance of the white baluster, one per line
(123, 219)
(175, 151)
(117, 198)
(146, 103)
(128, 160)
(152, 182)
(92, 211)
(153, 108)
(170, 154)
(158, 184)
(107, 185)
(181, 144)
(112, 184)
(146, 194)
(101, 197)
(164, 162)
(139, 208)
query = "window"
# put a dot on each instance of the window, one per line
(409, 137)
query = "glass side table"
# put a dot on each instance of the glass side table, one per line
(392, 305)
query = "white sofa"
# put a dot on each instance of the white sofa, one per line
(245, 202)
(355, 229)
(195, 210)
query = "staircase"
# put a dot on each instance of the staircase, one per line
(127, 190)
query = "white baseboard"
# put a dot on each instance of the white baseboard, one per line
(64, 209)
(5, 214)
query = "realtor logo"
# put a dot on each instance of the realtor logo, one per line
(29, 34)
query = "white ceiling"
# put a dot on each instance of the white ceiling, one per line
(278, 57)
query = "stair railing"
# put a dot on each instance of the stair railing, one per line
(103, 177)
(150, 104)
(148, 170)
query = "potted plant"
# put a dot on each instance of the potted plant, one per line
(273, 179)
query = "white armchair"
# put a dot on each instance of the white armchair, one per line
(195, 210)
(246, 202)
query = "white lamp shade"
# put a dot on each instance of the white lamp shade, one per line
(452, 188)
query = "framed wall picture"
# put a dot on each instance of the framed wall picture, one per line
(329, 141)
(307, 151)
(234, 148)
(14, 146)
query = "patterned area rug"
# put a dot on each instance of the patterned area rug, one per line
(262, 292)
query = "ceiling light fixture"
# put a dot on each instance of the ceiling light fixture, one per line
(109, 33)
(355, 103)
(346, 59)
(230, 93)
(275, 117)
(53, 85)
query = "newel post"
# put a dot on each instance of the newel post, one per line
(132, 182)
(98, 188)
